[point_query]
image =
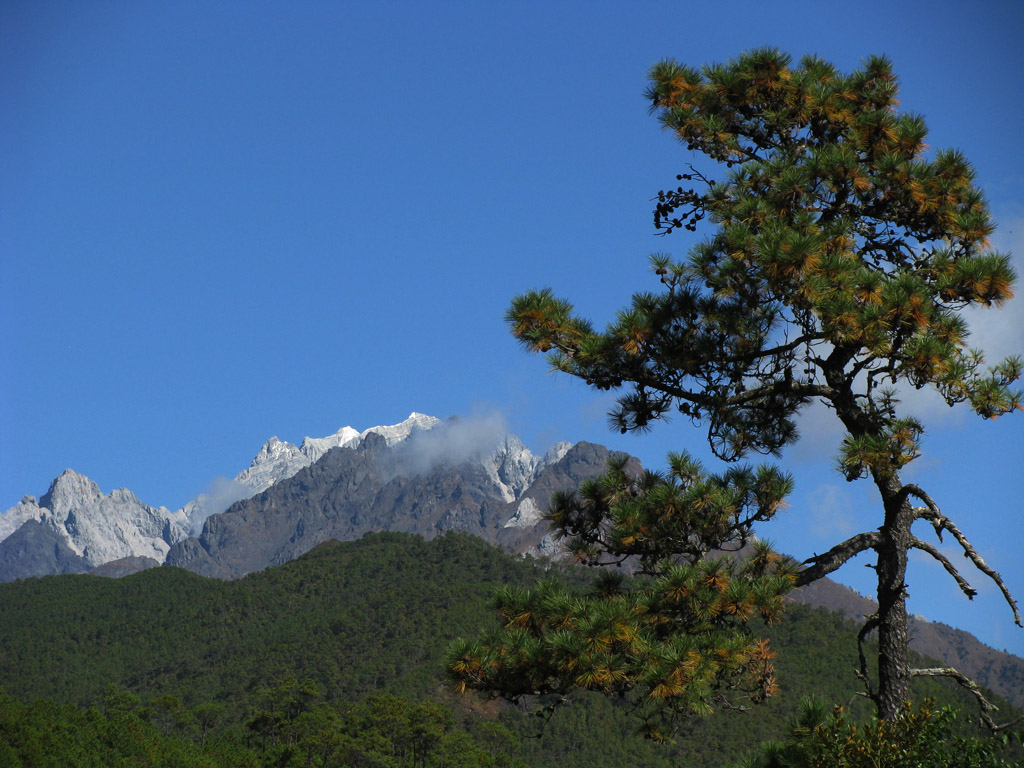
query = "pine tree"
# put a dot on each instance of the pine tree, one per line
(840, 258)
(677, 636)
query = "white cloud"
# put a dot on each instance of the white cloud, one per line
(221, 494)
(832, 515)
(1000, 331)
(449, 444)
(820, 434)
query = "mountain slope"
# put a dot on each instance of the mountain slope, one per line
(997, 670)
(359, 618)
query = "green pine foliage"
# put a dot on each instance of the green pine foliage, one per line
(292, 727)
(354, 619)
(922, 737)
(839, 256)
(44, 734)
(676, 639)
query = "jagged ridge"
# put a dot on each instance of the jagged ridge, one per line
(76, 527)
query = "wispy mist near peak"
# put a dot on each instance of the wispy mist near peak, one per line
(221, 494)
(454, 442)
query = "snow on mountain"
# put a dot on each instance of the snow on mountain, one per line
(315, 447)
(278, 460)
(99, 527)
(510, 464)
(417, 422)
(513, 467)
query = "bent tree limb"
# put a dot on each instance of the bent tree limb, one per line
(986, 706)
(965, 587)
(940, 523)
(822, 565)
(862, 673)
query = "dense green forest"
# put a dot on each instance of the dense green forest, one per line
(336, 659)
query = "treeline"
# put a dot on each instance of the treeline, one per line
(294, 728)
(335, 659)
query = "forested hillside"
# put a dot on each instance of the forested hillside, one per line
(314, 657)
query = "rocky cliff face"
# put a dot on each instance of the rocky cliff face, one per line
(81, 528)
(74, 527)
(355, 490)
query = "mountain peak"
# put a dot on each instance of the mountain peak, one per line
(315, 447)
(68, 488)
(418, 417)
(93, 526)
(119, 524)
(273, 447)
(395, 433)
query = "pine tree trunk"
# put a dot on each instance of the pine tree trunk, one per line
(893, 660)
(891, 564)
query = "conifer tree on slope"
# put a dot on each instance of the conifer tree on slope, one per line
(840, 258)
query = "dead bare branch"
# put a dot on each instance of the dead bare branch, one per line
(910, 489)
(986, 706)
(965, 587)
(862, 673)
(940, 522)
(824, 564)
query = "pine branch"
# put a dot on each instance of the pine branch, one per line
(775, 351)
(940, 522)
(966, 588)
(986, 706)
(781, 387)
(862, 673)
(823, 565)
(788, 386)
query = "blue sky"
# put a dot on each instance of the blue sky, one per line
(221, 221)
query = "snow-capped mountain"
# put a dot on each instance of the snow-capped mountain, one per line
(87, 528)
(456, 476)
(93, 528)
(278, 460)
